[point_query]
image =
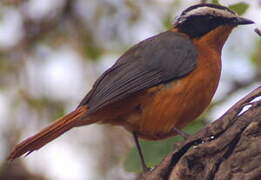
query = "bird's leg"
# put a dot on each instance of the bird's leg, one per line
(145, 168)
(181, 133)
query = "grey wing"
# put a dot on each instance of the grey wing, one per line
(154, 61)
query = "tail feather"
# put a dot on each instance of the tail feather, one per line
(48, 134)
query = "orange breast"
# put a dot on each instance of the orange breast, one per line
(179, 102)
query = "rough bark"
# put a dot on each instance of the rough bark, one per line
(229, 148)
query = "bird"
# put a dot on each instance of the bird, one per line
(156, 87)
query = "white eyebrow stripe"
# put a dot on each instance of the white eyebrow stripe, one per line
(209, 11)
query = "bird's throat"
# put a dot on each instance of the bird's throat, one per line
(216, 38)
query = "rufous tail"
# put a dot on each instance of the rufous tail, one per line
(48, 134)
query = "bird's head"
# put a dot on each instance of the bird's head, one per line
(200, 19)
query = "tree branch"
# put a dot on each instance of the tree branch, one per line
(227, 148)
(258, 31)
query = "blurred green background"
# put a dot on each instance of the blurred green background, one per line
(51, 52)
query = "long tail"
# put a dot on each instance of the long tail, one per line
(48, 134)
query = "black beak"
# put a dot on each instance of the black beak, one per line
(242, 21)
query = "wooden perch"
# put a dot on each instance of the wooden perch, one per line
(229, 148)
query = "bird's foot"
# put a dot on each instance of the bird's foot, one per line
(181, 133)
(145, 168)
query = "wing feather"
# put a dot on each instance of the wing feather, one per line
(159, 59)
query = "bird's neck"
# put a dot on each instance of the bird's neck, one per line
(217, 38)
(213, 39)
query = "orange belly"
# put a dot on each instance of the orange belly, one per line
(179, 102)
